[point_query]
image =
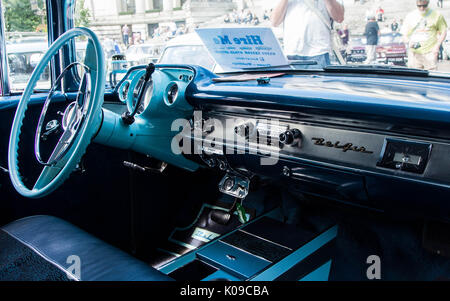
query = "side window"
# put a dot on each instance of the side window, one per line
(25, 23)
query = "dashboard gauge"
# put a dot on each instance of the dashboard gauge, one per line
(147, 95)
(169, 91)
(123, 91)
(136, 91)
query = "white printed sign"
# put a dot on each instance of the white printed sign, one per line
(243, 48)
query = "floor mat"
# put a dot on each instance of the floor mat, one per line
(362, 234)
(202, 230)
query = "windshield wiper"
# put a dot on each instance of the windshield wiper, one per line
(302, 62)
(371, 69)
(376, 69)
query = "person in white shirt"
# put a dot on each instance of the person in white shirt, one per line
(126, 34)
(306, 36)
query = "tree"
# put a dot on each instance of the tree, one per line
(82, 14)
(20, 17)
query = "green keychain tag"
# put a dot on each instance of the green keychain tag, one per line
(243, 218)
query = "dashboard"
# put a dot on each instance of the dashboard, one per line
(412, 158)
(360, 167)
(373, 141)
(152, 107)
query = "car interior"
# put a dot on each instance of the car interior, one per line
(179, 173)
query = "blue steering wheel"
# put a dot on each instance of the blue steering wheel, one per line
(81, 120)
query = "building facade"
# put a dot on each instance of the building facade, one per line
(144, 16)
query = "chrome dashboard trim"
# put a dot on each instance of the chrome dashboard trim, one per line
(436, 171)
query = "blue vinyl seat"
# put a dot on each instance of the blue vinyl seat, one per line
(48, 248)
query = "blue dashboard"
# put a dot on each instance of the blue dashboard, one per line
(163, 102)
(377, 141)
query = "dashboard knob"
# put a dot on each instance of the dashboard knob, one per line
(290, 137)
(228, 184)
(244, 129)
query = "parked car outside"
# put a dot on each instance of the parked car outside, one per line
(143, 53)
(188, 49)
(391, 49)
(22, 59)
(26, 37)
(356, 50)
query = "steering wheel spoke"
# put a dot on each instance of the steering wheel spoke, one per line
(59, 157)
(62, 146)
(47, 175)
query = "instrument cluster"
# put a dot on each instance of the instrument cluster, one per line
(165, 87)
(131, 87)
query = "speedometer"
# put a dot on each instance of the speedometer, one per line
(147, 96)
(136, 92)
(148, 90)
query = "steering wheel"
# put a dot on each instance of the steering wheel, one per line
(81, 119)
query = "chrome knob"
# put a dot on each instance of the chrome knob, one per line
(290, 137)
(228, 184)
(245, 129)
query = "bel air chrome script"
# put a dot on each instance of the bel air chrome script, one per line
(345, 147)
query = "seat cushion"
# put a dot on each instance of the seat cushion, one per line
(48, 248)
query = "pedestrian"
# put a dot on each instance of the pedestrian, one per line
(372, 32)
(440, 3)
(424, 30)
(380, 14)
(308, 28)
(394, 25)
(126, 34)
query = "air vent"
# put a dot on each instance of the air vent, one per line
(172, 93)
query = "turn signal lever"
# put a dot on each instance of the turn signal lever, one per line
(127, 117)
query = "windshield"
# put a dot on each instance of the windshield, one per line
(311, 33)
(197, 53)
